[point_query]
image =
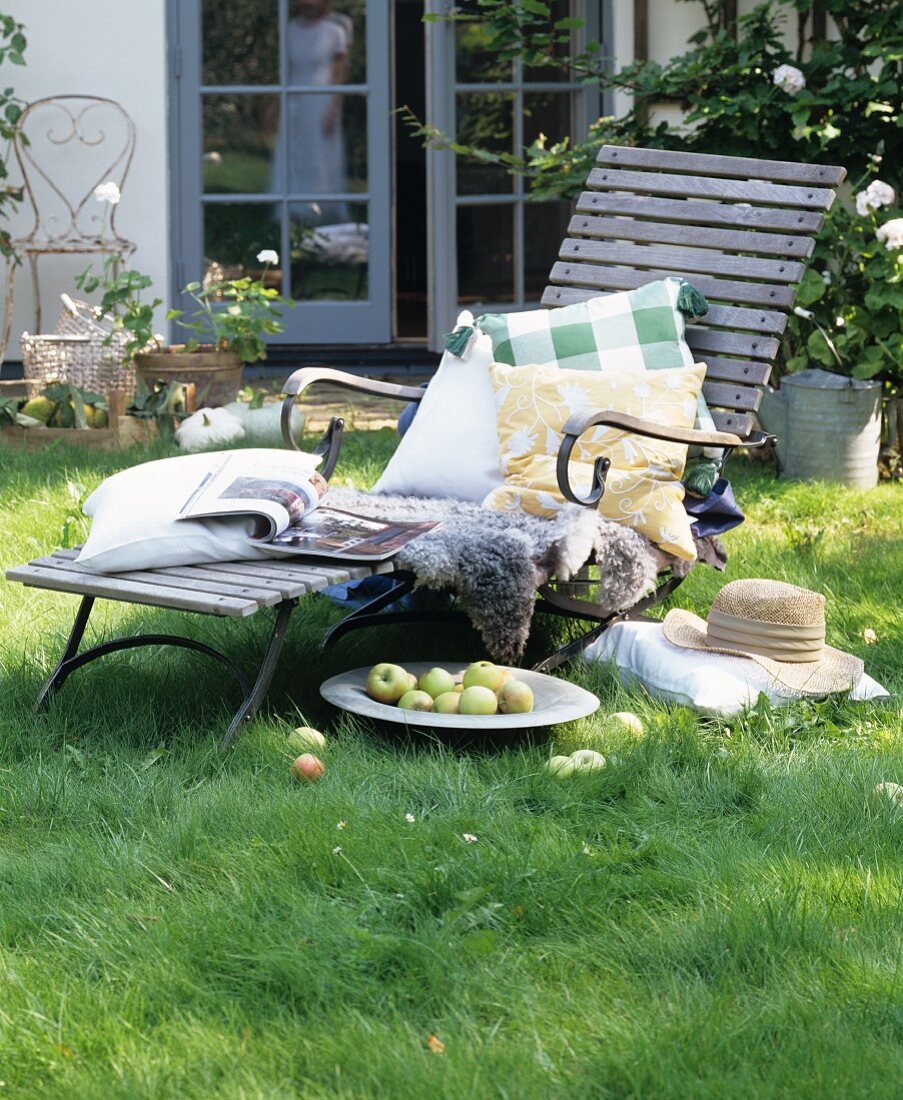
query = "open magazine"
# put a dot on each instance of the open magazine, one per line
(285, 504)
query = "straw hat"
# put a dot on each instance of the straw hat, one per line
(779, 626)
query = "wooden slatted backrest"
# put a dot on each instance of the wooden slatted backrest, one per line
(739, 229)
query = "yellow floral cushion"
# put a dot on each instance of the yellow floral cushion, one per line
(642, 488)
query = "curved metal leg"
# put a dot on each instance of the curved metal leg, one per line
(58, 677)
(566, 605)
(35, 289)
(404, 584)
(253, 696)
(256, 695)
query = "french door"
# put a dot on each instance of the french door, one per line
(282, 141)
(490, 247)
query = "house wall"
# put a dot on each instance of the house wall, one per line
(118, 50)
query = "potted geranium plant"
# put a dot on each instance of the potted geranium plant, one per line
(228, 327)
(228, 330)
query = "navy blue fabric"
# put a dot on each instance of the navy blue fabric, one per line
(354, 594)
(408, 414)
(717, 513)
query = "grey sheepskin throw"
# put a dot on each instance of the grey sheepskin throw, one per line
(494, 561)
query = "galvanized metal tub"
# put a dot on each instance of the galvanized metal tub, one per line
(828, 427)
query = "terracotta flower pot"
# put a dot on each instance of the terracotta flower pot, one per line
(216, 374)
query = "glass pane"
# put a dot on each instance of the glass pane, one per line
(561, 9)
(240, 42)
(324, 42)
(485, 254)
(546, 113)
(233, 235)
(239, 133)
(485, 119)
(545, 227)
(474, 62)
(325, 145)
(330, 251)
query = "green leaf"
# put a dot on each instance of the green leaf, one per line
(812, 288)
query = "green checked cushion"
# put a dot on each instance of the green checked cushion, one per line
(636, 330)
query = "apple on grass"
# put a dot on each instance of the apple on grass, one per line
(436, 682)
(387, 683)
(629, 722)
(515, 697)
(477, 700)
(485, 674)
(561, 767)
(305, 737)
(587, 760)
(416, 700)
(447, 703)
(307, 768)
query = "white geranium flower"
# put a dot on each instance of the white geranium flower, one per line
(107, 192)
(409, 818)
(469, 838)
(876, 195)
(789, 79)
(891, 233)
(268, 256)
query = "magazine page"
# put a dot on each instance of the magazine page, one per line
(277, 491)
(333, 533)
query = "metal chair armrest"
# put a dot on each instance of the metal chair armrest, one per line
(331, 441)
(581, 422)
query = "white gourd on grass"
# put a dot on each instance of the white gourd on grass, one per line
(209, 428)
(263, 423)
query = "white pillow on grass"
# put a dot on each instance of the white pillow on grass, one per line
(714, 683)
(451, 448)
(134, 515)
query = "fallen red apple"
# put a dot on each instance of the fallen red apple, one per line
(308, 767)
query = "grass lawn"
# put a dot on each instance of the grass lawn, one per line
(718, 914)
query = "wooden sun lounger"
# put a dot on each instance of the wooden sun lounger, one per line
(740, 229)
(228, 590)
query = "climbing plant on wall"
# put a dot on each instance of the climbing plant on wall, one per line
(12, 51)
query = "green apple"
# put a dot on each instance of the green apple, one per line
(485, 674)
(458, 688)
(412, 681)
(478, 700)
(515, 697)
(305, 738)
(560, 766)
(387, 683)
(587, 760)
(447, 702)
(436, 682)
(630, 722)
(416, 700)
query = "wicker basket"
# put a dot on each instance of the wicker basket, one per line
(77, 353)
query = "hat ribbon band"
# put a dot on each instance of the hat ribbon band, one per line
(779, 641)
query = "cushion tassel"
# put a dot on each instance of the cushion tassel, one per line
(458, 342)
(691, 302)
(700, 478)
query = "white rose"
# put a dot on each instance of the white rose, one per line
(107, 192)
(891, 233)
(876, 195)
(268, 256)
(789, 78)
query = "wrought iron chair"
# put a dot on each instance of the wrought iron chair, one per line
(65, 146)
(740, 229)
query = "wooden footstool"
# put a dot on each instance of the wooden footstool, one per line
(227, 589)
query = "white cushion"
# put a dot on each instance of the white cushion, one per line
(451, 448)
(712, 682)
(135, 521)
